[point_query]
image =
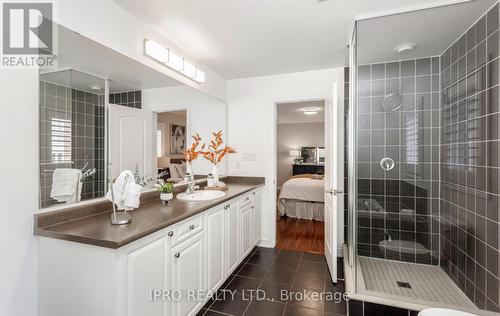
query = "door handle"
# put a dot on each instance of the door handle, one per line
(334, 192)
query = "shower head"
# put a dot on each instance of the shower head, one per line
(392, 102)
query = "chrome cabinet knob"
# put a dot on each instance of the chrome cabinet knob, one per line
(170, 233)
(177, 255)
(191, 226)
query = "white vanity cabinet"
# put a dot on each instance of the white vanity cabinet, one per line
(233, 229)
(197, 253)
(248, 217)
(187, 264)
(146, 271)
(257, 216)
(215, 220)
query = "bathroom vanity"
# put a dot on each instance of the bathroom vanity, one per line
(89, 267)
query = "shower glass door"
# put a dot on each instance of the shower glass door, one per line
(423, 157)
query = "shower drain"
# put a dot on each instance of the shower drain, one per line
(404, 285)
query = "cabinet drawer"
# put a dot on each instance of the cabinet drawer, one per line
(186, 229)
(247, 200)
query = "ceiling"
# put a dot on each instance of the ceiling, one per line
(432, 31)
(75, 80)
(261, 37)
(288, 113)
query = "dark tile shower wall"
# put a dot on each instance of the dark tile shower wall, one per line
(85, 113)
(88, 139)
(403, 203)
(470, 162)
(132, 99)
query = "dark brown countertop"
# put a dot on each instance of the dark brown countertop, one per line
(151, 216)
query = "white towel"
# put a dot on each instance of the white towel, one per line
(126, 192)
(131, 196)
(66, 186)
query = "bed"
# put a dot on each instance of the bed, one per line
(302, 197)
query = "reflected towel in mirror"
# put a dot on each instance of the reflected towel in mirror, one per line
(66, 186)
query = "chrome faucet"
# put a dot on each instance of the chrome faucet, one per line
(191, 184)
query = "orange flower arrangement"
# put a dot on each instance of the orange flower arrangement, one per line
(192, 153)
(215, 153)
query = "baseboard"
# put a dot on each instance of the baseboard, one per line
(266, 243)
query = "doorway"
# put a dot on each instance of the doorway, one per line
(300, 152)
(171, 139)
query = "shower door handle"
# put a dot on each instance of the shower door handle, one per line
(334, 192)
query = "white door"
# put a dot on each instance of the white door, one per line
(334, 177)
(146, 271)
(130, 140)
(187, 262)
(215, 248)
(232, 237)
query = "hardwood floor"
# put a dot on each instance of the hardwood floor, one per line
(300, 235)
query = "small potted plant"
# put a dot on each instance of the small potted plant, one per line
(166, 191)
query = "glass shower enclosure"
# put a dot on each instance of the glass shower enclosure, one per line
(423, 163)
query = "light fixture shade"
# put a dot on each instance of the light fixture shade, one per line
(156, 51)
(175, 62)
(294, 153)
(189, 70)
(200, 76)
(172, 60)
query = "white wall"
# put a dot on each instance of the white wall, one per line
(205, 115)
(102, 21)
(292, 136)
(251, 128)
(107, 23)
(19, 193)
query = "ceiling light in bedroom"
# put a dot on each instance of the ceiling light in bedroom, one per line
(405, 48)
(310, 111)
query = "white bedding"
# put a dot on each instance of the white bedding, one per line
(302, 198)
(303, 189)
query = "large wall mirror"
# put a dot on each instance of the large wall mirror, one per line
(101, 112)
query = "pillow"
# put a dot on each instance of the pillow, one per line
(181, 169)
(173, 171)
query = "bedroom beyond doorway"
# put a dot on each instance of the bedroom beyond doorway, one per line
(300, 146)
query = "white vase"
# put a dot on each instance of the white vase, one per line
(189, 169)
(215, 174)
(166, 197)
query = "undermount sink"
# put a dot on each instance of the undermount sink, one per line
(201, 195)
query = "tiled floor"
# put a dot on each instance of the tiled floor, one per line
(272, 270)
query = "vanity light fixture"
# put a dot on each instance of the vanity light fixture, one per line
(172, 60)
(310, 111)
(155, 51)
